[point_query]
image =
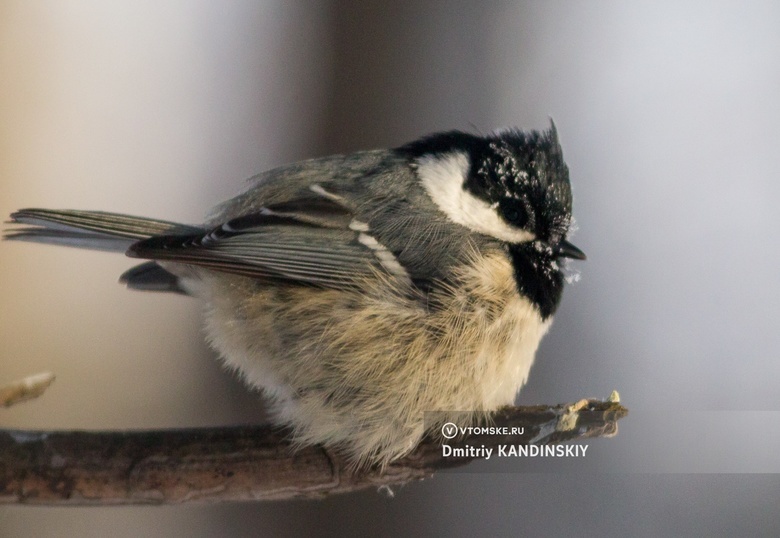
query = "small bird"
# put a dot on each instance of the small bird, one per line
(359, 292)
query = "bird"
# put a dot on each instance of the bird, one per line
(361, 292)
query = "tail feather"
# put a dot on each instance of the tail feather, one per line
(95, 230)
(67, 238)
(150, 276)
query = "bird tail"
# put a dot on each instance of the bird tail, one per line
(98, 230)
(94, 230)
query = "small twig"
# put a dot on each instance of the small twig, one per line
(25, 389)
(242, 463)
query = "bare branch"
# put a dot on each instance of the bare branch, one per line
(25, 389)
(242, 463)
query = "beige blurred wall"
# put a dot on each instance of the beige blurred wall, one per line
(144, 108)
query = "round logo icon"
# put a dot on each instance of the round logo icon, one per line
(449, 430)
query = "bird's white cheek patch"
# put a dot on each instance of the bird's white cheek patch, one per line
(443, 179)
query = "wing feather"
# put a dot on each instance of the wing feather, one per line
(306, 240)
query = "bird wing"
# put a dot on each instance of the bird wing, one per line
(312, 239)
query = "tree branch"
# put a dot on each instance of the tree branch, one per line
(243, 463)
(25, 389)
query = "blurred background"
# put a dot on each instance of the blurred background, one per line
(668, 115)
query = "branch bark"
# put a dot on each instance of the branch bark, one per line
(243, 463)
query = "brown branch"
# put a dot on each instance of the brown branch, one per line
(242, 463)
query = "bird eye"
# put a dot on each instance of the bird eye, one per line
(514, 213)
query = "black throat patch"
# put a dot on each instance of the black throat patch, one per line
(537, 276)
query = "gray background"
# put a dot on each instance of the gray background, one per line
(668, 114)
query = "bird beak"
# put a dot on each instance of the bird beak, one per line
(567, 250)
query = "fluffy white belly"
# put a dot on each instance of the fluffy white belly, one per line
(357, 370)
